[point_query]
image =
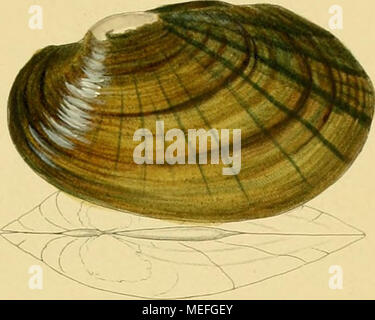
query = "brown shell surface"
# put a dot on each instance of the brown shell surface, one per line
(303, 103)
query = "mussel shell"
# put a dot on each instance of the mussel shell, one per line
(302, 101)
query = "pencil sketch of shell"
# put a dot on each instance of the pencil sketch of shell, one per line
(303, 103)
(119, 252)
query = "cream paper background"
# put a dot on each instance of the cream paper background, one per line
(351, 199)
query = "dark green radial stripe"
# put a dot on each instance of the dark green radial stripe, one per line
(142, 125)
(182, 127)
(264, 130)
(228, 64)
(267, 41)
(157, 116)
(95, 136)
(261, 126)
(139, 101)
(120, 132)
(202, 116)
(362, 117)
(307, 25)
(300, 24)
(304, 52)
